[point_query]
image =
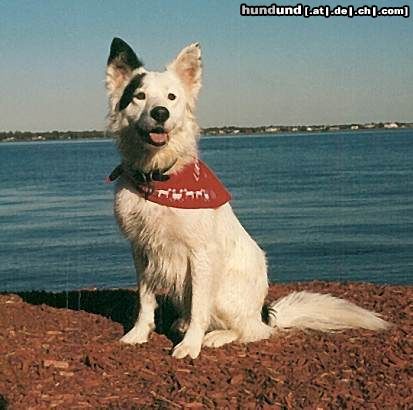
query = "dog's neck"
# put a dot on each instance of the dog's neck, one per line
(163, 158)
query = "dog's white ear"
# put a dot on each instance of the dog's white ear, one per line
(188, 67)
(122, 62)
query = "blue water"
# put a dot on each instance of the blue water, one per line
(323, 206)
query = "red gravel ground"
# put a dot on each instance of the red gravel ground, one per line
(69, 358)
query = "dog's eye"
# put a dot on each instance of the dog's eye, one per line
(140, 96)
(171, 96)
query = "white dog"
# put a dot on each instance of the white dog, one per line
(213, 270)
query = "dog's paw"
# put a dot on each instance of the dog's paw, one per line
(218, 338)
(184, 349)
(135, 336)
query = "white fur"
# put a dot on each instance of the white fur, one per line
(204, 258)
(321, 312)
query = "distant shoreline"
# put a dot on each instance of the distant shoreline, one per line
(20, 136)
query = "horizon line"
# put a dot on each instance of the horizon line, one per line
(230, 126)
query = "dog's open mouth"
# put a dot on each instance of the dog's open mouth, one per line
(157, 137)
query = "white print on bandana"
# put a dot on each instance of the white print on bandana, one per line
(181, 194)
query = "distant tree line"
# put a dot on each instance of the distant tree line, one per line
(50, 135)
(270, 129)
(225, 130)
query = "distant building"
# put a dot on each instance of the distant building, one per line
(391, 125)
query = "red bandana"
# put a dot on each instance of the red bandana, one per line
(193, 187)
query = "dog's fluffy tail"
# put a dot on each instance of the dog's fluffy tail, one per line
(322, 312)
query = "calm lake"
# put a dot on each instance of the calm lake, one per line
(334, 206)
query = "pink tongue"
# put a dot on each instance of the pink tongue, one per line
(158, 138)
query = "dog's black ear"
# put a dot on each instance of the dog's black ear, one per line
(122, 55)
(122, 62)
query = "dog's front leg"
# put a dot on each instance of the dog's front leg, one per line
(201, 282)
(146, 318)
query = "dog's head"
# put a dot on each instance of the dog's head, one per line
(151, 109)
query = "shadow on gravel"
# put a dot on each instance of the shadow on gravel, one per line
(3, 403)
(119, 305)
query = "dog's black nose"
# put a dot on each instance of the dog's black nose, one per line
(160, 114)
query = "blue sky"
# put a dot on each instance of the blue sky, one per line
(257, 70)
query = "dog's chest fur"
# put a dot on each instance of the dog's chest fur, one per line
(161, 238)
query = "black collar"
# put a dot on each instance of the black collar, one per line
(139, 176)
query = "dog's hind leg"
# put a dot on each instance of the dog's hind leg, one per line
(218, 338)
(146, 318)
(252, 332)
(255, 330)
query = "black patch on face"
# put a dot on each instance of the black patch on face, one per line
(122, 55)
(129, 91)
